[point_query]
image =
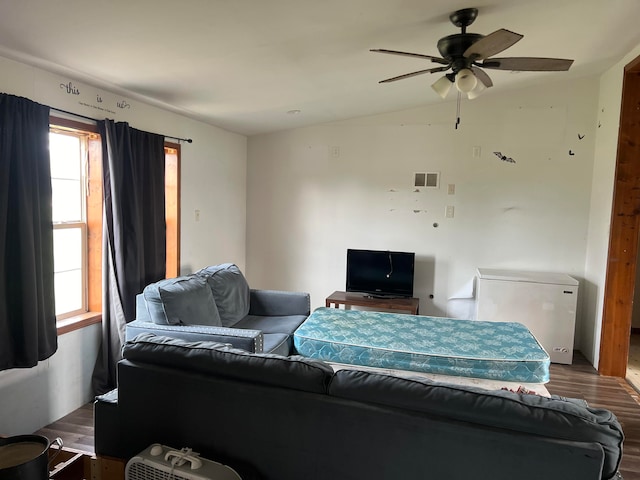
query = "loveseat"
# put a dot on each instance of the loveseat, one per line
(292, 418)
(216, 304)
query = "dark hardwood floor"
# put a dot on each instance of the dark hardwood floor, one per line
(579, 380)
(75, 429)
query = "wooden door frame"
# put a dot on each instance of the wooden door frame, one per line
(623, 237)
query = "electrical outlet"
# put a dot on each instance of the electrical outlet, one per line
(451, 190)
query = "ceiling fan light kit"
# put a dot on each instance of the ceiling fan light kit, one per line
(476, 92)
(442, 86)
(466, 81)
(467, 54)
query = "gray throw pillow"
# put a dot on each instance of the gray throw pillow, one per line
(181, 301)
(230, 292)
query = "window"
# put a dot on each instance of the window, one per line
(68, 155)
(76, 179)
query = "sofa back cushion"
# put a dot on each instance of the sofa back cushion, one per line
(532, 414)
(230, 291)
(183, 300)
(212, 358)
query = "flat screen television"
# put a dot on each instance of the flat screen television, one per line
(380, 273)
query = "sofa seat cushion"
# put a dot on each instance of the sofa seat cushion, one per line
(276, 324)
(230, 291)
(532, 414)
(185, 300)
(220, 359)
(277, 343)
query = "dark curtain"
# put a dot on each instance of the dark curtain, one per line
(134, 234)
(27, 306)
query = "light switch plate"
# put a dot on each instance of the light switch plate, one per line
(450, 211)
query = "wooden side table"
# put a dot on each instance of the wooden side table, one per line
(348, 299)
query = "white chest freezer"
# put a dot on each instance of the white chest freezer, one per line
(544, 302)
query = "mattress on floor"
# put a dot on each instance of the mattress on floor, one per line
(505, 351)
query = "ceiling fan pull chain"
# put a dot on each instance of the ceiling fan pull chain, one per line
(458, 110)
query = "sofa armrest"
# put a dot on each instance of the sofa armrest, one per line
(249, 340)
(141, 309)
(278, 303)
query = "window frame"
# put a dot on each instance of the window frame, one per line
(91, 312)
(172, 181)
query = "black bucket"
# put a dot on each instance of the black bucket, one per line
(26, 457)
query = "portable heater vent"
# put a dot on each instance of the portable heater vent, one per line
(143, 471)
(159, 462)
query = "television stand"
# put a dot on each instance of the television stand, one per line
(382, 296)
(349, 299)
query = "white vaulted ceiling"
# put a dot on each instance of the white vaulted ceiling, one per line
(243, 64)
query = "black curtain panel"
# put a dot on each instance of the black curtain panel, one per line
(134, 233)
(27, 306)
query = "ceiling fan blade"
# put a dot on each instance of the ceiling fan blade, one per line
(493, 43)
(408, 54)
(528, 64)
(482, 76)
(413, 74)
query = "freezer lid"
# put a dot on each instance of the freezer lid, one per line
(525, 276)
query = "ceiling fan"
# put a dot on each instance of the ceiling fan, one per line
(466, 54)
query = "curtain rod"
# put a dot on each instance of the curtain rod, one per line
(188, 140)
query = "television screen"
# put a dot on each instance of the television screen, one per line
(380, 273)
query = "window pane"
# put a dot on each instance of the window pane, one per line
(64, 151)
(67, 197)
(68, 182)
(68, 286)
(67, 249)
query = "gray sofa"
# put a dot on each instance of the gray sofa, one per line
(288, 418)
(216, 304)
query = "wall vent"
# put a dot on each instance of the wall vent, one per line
(426, 179)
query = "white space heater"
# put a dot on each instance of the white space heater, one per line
(159, 462)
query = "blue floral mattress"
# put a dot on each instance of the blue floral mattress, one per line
(495, 350)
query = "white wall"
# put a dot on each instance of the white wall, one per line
(608, 121)
(213, 178)
(308, 203)
(213, 167)
(34, 397)
(213, 181)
